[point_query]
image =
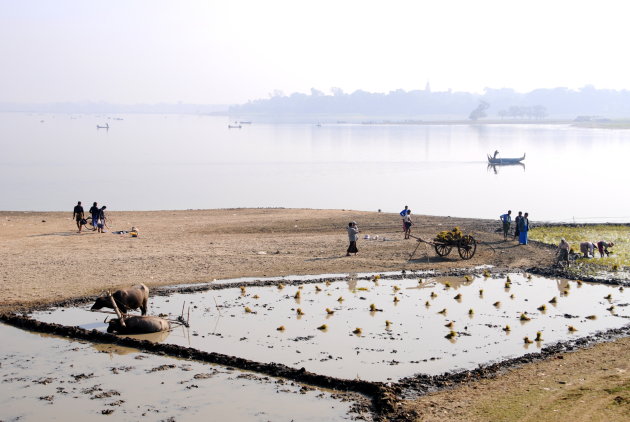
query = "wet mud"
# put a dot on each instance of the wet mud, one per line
(46, 377)
(384, 396)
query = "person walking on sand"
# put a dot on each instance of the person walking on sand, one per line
(353, 235)
(94, 211)
(101, 220)
(516, 223)
(507, 220)
(523, 229)
(77, 214)
(407, 223)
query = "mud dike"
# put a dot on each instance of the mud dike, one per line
(384, 337)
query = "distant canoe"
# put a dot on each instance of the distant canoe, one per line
(234, 126)
(504, 161)
(103, 127)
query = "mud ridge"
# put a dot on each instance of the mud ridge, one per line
(384, 398)
(562, 273)
(167, 291)
(423, 384)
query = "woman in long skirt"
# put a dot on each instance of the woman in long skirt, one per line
(523, 228)
(353, 235)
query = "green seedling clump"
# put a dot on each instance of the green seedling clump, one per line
(619, 235)
(451, 334)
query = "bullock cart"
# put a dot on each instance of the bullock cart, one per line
(446, 241)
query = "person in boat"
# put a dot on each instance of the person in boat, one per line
(353, 235)
(562, 255)
(407, 223)
(507, 220)
(603, 246)
(516, 220)
(588, 249)
(523, 229)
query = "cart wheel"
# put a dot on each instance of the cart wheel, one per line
(442, 249)
(467, 247)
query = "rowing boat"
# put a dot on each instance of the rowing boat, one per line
(499, 161)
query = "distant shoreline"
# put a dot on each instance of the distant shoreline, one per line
(595, 123)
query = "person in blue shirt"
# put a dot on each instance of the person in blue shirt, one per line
(523, 229)
(403, 214)
(94, 211)
(507, 220)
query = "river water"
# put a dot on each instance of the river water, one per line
(152, 162)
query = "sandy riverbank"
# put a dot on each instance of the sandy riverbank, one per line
(45, 260)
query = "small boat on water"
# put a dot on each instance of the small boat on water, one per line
(504, 161)
(103, 127)
(234, 126)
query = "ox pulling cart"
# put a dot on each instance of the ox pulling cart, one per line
(445, 241)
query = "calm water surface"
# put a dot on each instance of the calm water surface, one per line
(148, 162)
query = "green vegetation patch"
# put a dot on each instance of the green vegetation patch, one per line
(619, 235)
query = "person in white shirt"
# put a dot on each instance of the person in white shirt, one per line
(507, 220)
(353, 235)
(407, 222)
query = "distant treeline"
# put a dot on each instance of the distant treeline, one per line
(493, 103)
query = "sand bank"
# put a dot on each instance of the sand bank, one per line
(45, 259)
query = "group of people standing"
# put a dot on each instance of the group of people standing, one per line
(521, 226)
(97, 215)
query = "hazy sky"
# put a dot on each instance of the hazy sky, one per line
(231, 51)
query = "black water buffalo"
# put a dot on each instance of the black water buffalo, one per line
(138, 325)
(126, 299)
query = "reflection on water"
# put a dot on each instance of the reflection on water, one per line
(414, 340)
(496, 167)
(154, 337)
(149, 161)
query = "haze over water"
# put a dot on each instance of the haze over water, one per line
(151, 162)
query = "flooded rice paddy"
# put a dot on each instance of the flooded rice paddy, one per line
(43, 377)
(383, 329)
